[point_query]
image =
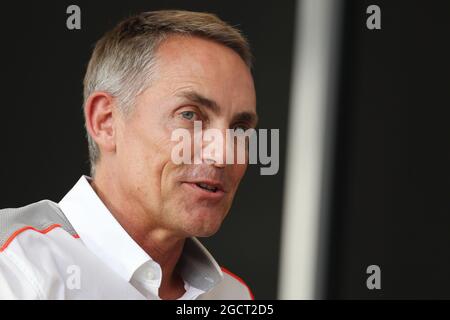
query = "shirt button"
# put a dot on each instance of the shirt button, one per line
(150, 275)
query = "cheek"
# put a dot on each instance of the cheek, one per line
(144, 152)
(238, 172)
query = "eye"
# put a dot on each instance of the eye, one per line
(188, 115)
(242, 127)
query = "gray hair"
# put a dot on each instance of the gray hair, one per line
(123, 60)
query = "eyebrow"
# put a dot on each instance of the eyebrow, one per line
(247, 117)
(197, 98)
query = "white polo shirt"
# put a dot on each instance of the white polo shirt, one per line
(77, 250)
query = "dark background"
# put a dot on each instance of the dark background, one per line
(44, 151)
(391, 176)
(392, 169)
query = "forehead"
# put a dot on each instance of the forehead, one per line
(210, 68)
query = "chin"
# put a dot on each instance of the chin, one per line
(204, 224)
(204, 233)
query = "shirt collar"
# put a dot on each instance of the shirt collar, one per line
(107, 239)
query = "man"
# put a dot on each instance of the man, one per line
(129, 231)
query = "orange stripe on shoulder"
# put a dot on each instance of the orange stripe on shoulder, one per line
(240, 280)
(19, 231)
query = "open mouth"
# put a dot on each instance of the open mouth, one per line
(207, 187)
(206, 190)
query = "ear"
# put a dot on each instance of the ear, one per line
(99, 114)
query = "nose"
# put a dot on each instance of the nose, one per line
(215, 147)
(214, 163)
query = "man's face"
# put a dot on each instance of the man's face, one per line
(195, 80)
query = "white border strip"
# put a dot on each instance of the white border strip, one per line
(312, 94)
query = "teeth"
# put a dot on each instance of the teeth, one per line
(207, 187)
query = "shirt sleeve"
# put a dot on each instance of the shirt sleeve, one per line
(16, 283)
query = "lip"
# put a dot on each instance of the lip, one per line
(202, 193)
(214, 183)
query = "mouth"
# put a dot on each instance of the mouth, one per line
(212, 186)
(208, 189)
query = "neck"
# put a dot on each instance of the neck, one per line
(162, 245)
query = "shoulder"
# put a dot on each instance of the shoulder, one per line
(30, 238)
(39, 217)
(232, 287)
(240, 285)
